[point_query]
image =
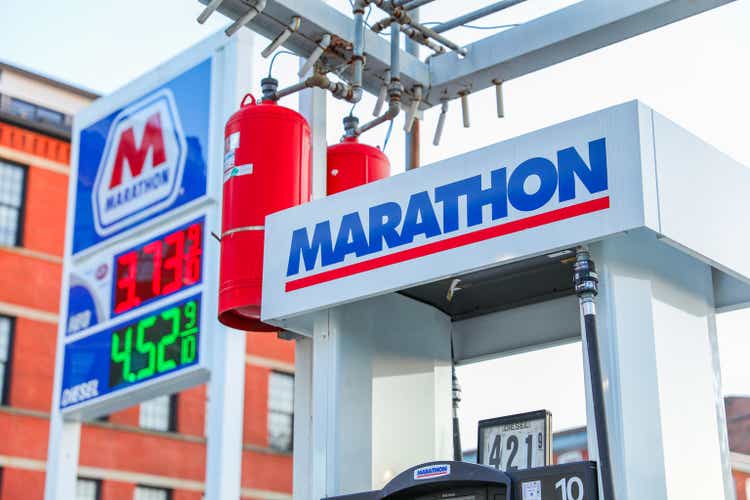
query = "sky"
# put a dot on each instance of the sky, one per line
(695, 72)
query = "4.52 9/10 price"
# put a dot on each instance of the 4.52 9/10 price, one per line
(155, 344)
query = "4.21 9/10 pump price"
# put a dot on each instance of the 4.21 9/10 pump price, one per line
(155, 344)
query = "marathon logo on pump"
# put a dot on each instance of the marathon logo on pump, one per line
(142, 164)
(535, 192)
(432, 471)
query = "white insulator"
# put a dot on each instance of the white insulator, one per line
(246, 18)
(411, 114)
(499, 98)
(322, 46)
(283, 37)
(440, 123)
(210, 9)
(465, 109)
(382, 94)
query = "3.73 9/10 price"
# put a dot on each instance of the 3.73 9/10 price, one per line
(157, 268)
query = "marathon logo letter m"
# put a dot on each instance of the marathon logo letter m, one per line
(142, 163)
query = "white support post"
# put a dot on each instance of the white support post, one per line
(655, 318)
(226, 389)
(303, 376)
(312, 105)
(64, 441)
(313, 355)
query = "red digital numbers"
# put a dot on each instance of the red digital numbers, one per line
(161, 267)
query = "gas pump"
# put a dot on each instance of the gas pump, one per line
(469, 481)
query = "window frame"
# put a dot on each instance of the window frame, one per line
(22, 207)
(97, 483)
(269, 411)
(168, 491)
(8, 370)
(171, 417)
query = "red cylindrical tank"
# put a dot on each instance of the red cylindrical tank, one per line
(267, 168)
(351, 164)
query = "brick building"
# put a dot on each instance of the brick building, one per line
(167, 433)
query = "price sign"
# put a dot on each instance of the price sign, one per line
(516, 442)
(154, 344)
(157, 268)
(159, 344)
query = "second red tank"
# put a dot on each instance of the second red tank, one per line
(351, 163)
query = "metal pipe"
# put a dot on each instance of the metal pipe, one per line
(283, 36)
(394, 88)
(586, 283)
(410, 4)
(441, 121)
(358, 45)
(325, 41)
(499, 98)
(246, 17)
(419, 38)
(430, 33)
(210, 9)
(473, 16)
(395, 53)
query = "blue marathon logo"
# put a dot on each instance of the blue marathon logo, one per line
(390, 225)
(432, 471)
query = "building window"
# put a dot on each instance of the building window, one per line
(280, 410)
(88, 489)
(33, 112)
(6, 350)
(148, 493)
(159, 414)
(12, 189)
(22, 108)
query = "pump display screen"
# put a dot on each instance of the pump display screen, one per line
(155, 344)
(133, 352)
(158, 268)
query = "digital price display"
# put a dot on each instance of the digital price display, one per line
(158, 268)
(154, 344)
(132, 353)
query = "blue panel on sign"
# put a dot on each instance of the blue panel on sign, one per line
(132, 353)
(144, 159)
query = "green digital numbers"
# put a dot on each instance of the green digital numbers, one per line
(146, 347)
(155, 344)
(187, 352)
(123, 356)
(173, 316)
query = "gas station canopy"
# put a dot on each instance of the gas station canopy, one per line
(487, 237)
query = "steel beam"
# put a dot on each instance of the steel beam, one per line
(556, 37)
(318, 18)
(561, 35)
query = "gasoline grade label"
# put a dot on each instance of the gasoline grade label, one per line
(516, 442)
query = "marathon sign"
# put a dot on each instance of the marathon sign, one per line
(142, 159)
(459, 205)
(537, 193)
(142, 165)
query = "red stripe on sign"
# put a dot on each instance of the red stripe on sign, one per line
(515, 226)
